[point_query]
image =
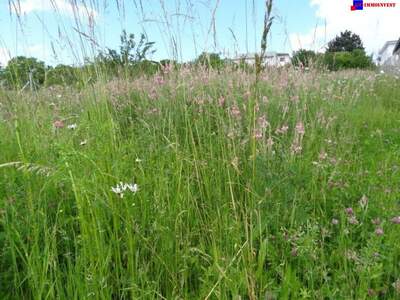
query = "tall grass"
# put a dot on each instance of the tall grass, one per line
(281, 188)
(231, 202)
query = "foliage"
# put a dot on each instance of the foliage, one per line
(130, 54)
(303, 58)
(62, 75)
(346, 41)
(287, 189)
(357, 59)
(24, 71)
(212, 60)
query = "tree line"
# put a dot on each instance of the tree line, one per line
(131, 59)
(345, 51)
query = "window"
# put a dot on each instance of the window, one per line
(282, 59)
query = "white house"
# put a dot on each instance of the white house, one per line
(273, 59)
(389, 54)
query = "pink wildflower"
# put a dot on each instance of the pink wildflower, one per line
(300, 128)
(379, 231)
(235, 111)
(395, 220)
(221, 101)
(58, 124)
(349, 211)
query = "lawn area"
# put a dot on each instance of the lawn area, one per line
(201, 184)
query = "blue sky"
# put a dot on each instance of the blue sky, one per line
(48, 29)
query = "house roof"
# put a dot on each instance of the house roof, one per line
(397, 47)
(266, 55)
(387, 44)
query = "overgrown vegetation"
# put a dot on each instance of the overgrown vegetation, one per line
(125, 178)
(345, 51)
(229, 190)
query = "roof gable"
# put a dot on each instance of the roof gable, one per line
(397, 47)
(387, 44)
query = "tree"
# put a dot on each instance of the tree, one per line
(346, 41)
(129, 56)
(356, 59)
(129, 53)
(61, 75)
(212, 60)
(22, 71)
(303, 58)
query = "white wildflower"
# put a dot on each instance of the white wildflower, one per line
(121, 188)
(133, 187)
(72, 126)
(82, 143)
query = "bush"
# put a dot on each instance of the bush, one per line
(356, 59)
(61, 75)
(22, 71)
(303, 58)
(212, 60)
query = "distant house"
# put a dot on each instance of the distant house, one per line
(396, 50)
(273, 59)
(389, 54)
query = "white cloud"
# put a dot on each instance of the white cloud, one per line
(66, 7)
(375, 26)
(4, 56)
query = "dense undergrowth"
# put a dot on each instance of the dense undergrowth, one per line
(284, 189)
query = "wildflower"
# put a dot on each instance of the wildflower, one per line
(221, 101)
(72, 126)
(352, 255)
(59, 96)
(159, 80)
(395, 220)
(396, 286)
(258, 134)
(118, 189)
(335, 221)
(296, 148)
(121, 187)
(138, 160)
(379, 231)
(300, 128)
(235, 111)
(133, 187)
(322, 155)
(262, 122)
(295, 99)
(353, 220)
(376, 221)
(270, 142)
(82, 143)
(363, 201)
(349, 211)
(58, 124)
(282, 130)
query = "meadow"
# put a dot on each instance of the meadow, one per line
(203, 184)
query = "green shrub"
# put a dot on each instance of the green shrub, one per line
(61, 75)
(356, 59)
(22, 71)
(212, 60)
(303, 58)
